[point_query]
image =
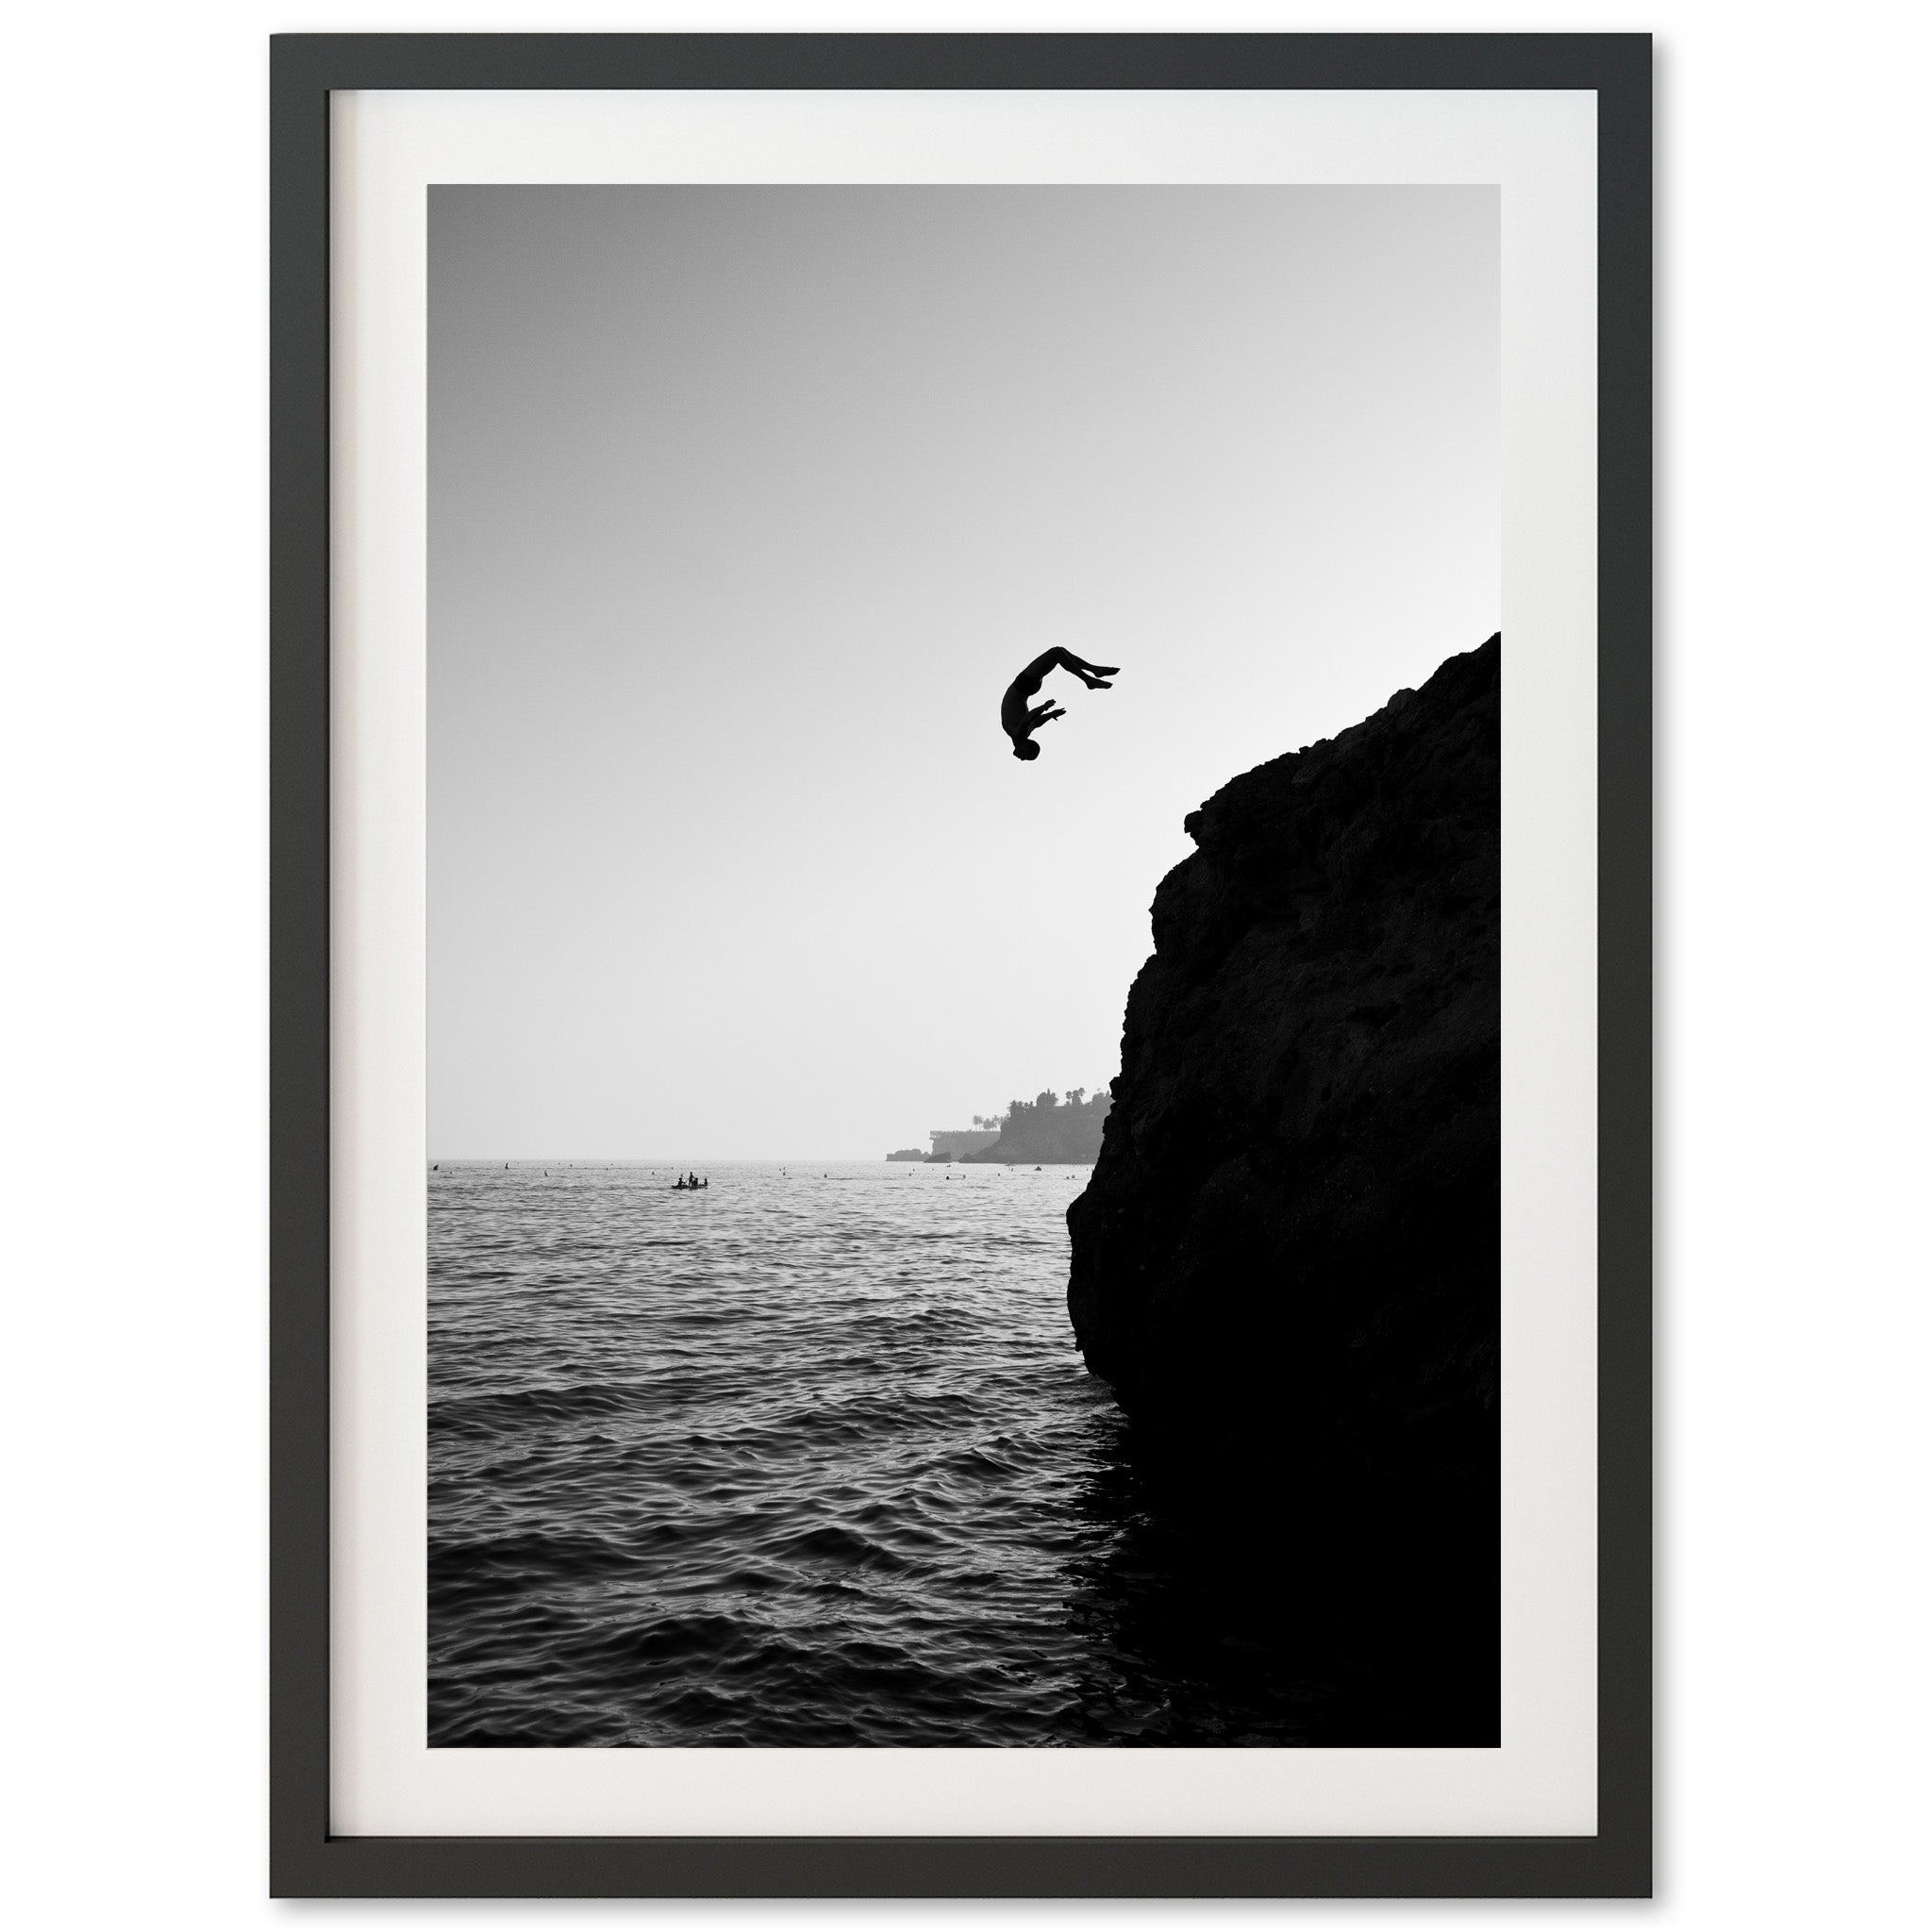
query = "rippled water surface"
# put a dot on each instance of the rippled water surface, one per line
(809, 1457)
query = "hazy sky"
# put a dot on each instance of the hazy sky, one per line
(746, 504)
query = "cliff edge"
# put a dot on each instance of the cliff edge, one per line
(1288, 1252)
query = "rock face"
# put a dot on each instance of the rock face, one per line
(1288, 1257)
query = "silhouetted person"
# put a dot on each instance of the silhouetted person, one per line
(1019, 721)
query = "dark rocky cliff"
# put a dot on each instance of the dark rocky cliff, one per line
(1288, 1257)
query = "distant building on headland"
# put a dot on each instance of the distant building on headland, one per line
(1049, 1130)
(957, 1143)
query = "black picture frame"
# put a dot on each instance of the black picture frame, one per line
(305, 1859)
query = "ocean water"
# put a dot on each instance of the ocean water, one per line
(810, 1458)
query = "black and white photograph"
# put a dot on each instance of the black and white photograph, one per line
(963, 952)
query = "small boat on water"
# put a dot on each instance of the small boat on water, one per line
(691, 1185)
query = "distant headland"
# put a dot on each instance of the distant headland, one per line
(1046, 1130)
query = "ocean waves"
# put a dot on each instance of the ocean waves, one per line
(797, 1461)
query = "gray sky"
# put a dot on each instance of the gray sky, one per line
(746, 504)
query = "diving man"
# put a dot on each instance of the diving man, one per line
(1019, 721)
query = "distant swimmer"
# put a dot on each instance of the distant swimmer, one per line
(1019, 721)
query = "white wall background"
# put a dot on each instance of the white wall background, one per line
(1793, 695)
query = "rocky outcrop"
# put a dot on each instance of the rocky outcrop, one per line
(1288, 1257)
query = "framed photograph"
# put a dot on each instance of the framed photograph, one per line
(961, 1128)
